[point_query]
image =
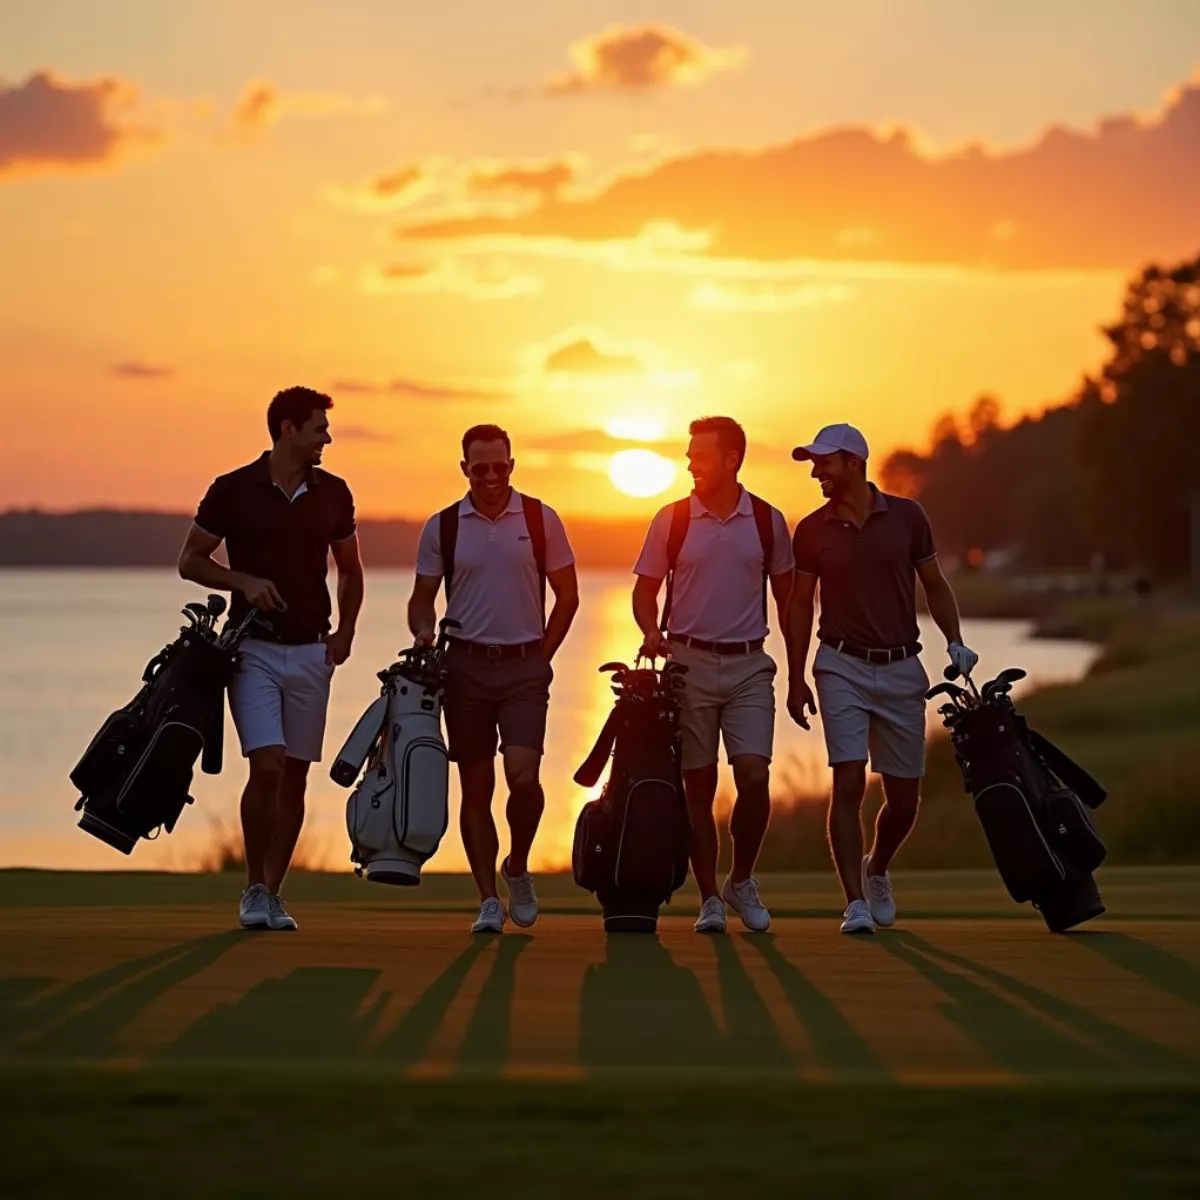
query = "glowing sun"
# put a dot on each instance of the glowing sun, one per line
(641, 472)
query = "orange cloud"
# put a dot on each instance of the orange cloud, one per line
(476, 279)
(766, 296)
(543, 179)
(49, 125)
(640, 58)
(136, 369)
(262, 105)
(386, 191)
(1106, 198)
(412, 389)
(582, 357)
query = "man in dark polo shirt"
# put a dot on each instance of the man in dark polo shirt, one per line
(279, 517)
(866, 550)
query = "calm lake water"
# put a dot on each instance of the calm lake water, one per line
(73, 645)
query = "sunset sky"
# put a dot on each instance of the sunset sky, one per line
(587, 221)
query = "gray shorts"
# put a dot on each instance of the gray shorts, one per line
(489, 699)
(730, 696)
(875, 708)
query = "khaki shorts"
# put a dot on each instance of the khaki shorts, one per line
(279, 696)
(726, 695)
(867, 707)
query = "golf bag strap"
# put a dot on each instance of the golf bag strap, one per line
(214, 739)
(1069, 772)
(593, 766)
(764, 522)
(448, 540)
(681, 518)
(535, 522)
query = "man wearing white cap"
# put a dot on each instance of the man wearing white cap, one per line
(866, 550)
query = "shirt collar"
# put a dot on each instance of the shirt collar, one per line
(880, 505)
(467, 509)
(262, 472)
(745, 507)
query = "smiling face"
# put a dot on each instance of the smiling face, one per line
(488, 467)
(712, 465)
(307, 442)
(837, 473)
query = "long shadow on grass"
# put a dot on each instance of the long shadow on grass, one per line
(639, 1009)
(753, 1039)
(311, 1014)
(835, 1041)
(66, 1024)
(1147, 961)
(1017, 1039)
(486, 1042)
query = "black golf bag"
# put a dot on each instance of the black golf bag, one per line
(1032, 801)
(631, 845)
(136, 773)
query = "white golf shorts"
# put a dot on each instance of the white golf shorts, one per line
(279, 697)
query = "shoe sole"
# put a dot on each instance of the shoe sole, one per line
(708, 928)
(283, 928)
(746, 924)
(512, 916)
(254, 925)
(859, 930)
(486, 929)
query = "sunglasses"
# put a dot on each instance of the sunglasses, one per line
(483, 470)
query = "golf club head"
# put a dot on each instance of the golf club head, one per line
(1009, 677)
(613, 666)
(216, 605)
(945, 689)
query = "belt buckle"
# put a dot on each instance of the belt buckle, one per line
(492, 653)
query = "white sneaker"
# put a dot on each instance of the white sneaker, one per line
(491, 917)
(522, 899)
(878, 891)
(858, 918)
(254, 911)
(712, 916)
(744, 900)
(278, 916)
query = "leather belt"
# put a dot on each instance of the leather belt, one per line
(885, 656)
(717, 647)
(496, 653)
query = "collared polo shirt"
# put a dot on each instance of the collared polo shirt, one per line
(496, 594)
(717, 594)
(283, 538)
(868, 576)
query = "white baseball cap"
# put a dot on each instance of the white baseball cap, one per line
(830, 440)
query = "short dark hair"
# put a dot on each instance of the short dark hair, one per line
(295, 404)
(730, 435)
(485, 433)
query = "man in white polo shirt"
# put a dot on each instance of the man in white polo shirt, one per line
(496, 551)
(717, 549)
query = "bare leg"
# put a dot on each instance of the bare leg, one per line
(700, 787)
(260, 801)
(289, 819)
(894, 823)
(751, 812)
(845, 825)
(526, 803)
(475, 821)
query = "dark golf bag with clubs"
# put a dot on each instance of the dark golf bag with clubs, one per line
(631, 845)
(1032, 801)
(135, 775)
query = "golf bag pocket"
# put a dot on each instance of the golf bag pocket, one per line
(421, 815)
(647, 858)
(108, 754)
(158, 786)
(592, 851)
(1070, 831)
(370, 814)
(1027, 864)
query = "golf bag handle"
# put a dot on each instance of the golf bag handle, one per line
(1069, 772)
(593, 766)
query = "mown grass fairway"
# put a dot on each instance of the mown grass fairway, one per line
(139, 1031)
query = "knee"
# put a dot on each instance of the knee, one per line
(849, 784)
(751, 773)
(524, 782)
(267, 767)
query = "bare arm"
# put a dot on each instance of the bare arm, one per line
(799, 627)
(422, 615)
(939, 596)
(350, 587)
(564, 583)
(781, 589)
(196, 565)
(645, 613)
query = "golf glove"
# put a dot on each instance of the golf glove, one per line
(963, 657)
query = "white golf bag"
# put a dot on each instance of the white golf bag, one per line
(397, 814)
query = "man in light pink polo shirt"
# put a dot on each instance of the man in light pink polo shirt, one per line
(718, 548)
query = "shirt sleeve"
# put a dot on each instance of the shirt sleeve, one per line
(558, 549)
(804, 550)
(652, 562)
(923, 547)
(215, 513)
(429, 548)
(346, 526)
(783, 561)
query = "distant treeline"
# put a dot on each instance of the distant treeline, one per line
(1112, 471)
(105, 538)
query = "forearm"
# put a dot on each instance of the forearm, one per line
(645, 612)
(943, 608)
(422, 615)
(350, 588)
(561, 616)
(800, 619)
(200, 568)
